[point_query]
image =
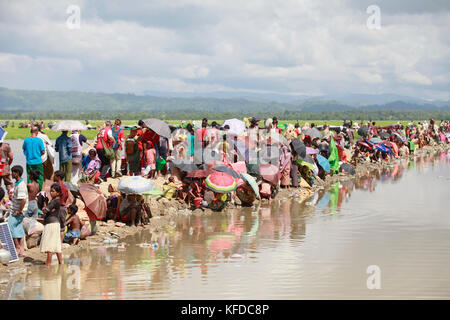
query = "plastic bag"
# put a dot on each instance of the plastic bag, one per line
(86, 231)
(32, 226)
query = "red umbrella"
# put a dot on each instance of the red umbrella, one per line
(221, 182)
(239, 167)
(270, 173)
(393, 145)
(94, 200)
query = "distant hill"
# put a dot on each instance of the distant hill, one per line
(91, 104)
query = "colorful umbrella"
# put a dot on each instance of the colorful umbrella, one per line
(154, 192)
(384, 135)
(239, 167)
(252, 182)
(221, 182)
(94, 201)
(270, 173)
(228, 170)
(135, 185)
(393, 146)
(323, 162)
(306, 161)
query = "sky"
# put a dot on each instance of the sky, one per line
(296, 47)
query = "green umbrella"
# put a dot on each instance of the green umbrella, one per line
(252, 182)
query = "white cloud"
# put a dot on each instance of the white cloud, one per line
(282, 46)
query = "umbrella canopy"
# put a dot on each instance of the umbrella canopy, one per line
(363, 131)
(159, 126)
(376, 140)
(312, 132)
(239, 167)
(402, 138)
(347, 167)
(221, 182)
(154, 192)
(135, 185)
(382, 147)
(237, 126)
(299, 147)
(252, 182)
(323, 162)
(311, 150)
(392, 145)
(363, 144)
(228, 170)
(198, 174)
(74, 189)
(306, 161)
(269, 172)
(184, 165)
(69, 125)
(384, 135)
(94, 201)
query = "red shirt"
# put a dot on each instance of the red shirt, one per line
(64, 193)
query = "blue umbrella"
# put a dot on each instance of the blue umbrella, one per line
(323, 162)
(376, 140)
(382, 147)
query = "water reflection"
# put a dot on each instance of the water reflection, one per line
(221, 255)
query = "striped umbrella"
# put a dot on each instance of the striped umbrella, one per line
(252, 182)
(221, 182)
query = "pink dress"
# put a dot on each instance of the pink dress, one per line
(150, 155)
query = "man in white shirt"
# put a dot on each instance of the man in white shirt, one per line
(47, 160)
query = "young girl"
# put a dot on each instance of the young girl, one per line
(51, 237)
(150, 159)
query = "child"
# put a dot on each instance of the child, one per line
(150, 159)
(74, 224)
(265, 190)
(18, 208)
(51, 237)
(169, 188)
(112, 203)
(91, 174)
(185, 193)
(33, 190)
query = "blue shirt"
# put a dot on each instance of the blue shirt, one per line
(32, 148)
(63, 145)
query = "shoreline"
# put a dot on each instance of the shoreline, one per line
(164, 210)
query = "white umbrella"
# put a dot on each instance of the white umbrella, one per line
(236, 126)
(135, 185)
(69, 125)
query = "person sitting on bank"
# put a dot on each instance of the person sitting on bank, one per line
(130, 210)
(73, 234)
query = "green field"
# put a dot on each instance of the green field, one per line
(22, 133)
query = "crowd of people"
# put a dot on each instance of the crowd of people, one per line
(274, 156)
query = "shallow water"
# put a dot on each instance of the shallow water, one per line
(397, 220)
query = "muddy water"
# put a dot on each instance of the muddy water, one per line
(396, 220)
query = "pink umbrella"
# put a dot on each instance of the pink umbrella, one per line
(239, 167)
(270, 173)
(311, 150)
(94, 200)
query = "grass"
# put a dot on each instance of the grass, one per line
(22, 133)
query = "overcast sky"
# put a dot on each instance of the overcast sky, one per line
(285, 46)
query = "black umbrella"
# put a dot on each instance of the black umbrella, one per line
(312, 132)
(363, 131)
(73, 189)
(184, 165)
(347, 167)
(299, 147)
(159, 126)
(384, 135)
(227, 170)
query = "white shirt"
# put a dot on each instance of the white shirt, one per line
(45, 139)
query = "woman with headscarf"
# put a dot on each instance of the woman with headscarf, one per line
(285, 166)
